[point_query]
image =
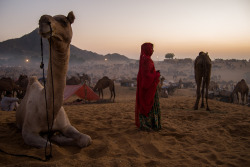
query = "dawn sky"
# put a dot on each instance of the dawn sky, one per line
(182, 27)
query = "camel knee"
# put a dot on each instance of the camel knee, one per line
(196, 104)
(33, 139)
(84, 141)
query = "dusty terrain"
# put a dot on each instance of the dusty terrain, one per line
(188, 138)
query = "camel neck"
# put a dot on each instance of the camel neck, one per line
(59, 62)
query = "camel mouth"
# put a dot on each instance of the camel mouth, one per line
(44, 30)
(45, 34)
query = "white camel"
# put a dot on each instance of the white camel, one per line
(31, 114)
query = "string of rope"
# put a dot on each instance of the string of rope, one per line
(23, 155)
(46, 105)
(48, 156)
(53, 93)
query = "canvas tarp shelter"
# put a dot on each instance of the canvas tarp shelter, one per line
(82, 91)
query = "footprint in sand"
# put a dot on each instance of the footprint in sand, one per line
(149, 150)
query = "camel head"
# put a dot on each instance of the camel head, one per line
(21, 77)
(203, 53)
(60, 25)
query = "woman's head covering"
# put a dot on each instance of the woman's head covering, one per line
(147, 81)
(147, 49)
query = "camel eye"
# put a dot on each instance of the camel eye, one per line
(64, 23)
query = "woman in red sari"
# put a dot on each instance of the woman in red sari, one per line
(147, 108)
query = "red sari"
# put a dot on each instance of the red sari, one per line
(147, 81)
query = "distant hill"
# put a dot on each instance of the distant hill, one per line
(28, 46)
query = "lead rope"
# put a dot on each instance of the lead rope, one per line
(48, 156)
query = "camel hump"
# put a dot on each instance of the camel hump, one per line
(32, 79)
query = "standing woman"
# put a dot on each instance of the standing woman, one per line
(147, 108)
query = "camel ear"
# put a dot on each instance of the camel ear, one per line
(71, 17)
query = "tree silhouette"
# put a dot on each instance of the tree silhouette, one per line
(169, 56)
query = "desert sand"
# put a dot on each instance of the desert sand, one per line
(188, 138)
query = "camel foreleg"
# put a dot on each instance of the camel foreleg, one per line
(202, 93)
(114, 93)
(237, 95)
(198, 94)
(111, 94)
(114, 96)
(33, 139)
(74, 137)
(102, 93)
(207, 86)
(242, 98)
(208, 109)
(99, 92)
(246, 97)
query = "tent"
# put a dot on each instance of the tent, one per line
(82, 91)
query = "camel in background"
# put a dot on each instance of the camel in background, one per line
(7, 84)
(104, 83)
(33, 116)
(180, 83)
(22, 82)
(84, 78)
(162, 92)
(160, 84)
(73, 81)
(78, 79)
(242, 88)
(213, 86)
(202, 69)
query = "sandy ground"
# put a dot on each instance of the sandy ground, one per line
(188, 138)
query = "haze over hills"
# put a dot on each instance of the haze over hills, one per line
(15, 51)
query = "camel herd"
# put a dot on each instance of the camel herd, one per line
(42, 109)
(17, 88)
(101, 84)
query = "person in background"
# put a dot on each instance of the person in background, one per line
(9, 103)
(147, 108)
